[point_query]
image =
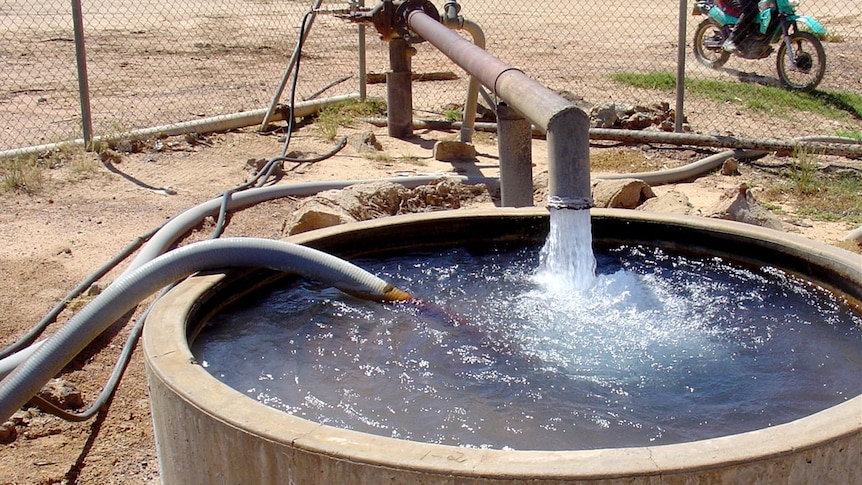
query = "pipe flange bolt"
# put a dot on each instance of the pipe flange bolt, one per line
(402, 13)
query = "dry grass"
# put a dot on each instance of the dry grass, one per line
(830, 195)
(622, 160)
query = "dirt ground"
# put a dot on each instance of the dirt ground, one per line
(88, 211)
(51, 240)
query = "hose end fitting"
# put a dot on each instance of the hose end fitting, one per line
(395, 294)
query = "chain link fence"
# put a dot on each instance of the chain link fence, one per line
(157, 62)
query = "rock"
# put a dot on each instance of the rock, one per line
(378, 199)
(255, 165)
(8, 432)
(110, 156)
(453, 151)
(365, 142)
(94, 290)
(61, 394)
(315, 215)
(672, 202)
(620, 193)
(730, 167)
(640, 120)
(604, 116)
(738, 204)
(445, 194)
(626, 116)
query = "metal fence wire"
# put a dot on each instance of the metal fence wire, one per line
(156, 62)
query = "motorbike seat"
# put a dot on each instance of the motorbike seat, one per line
(729, 8)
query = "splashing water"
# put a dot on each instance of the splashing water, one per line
(661, 349)
(566, 261)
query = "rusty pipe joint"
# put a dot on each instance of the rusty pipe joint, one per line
(390, 18)
(402, 15)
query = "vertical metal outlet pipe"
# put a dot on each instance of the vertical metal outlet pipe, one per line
(452, 20)
(399, 89)
(567, 126)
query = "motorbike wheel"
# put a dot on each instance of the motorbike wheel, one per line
(810, 59)
(708, 38)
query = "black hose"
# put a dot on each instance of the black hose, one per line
(32, 334)
(260, 178)
(265, 172)
(111, 385)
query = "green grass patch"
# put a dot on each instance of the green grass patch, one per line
(330, 118)
(453, 114)
(853, 135)
(773, 100)
(834, 196)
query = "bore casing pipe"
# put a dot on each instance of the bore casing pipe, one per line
(399, 89)
(514, 141)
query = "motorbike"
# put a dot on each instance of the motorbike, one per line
(801, 59)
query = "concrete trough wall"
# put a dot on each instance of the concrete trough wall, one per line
(209, 433)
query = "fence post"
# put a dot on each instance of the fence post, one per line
(363, 77)
(83, 80)
(679, 115)
(290, 65)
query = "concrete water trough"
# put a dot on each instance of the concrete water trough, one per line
(207, 432)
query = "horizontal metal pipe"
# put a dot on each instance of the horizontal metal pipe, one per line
(204, 125)
(566, 125)
(820, 145)
(536, 102)
(850, 150)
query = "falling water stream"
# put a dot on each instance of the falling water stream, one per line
(643, 347)
(566, 260)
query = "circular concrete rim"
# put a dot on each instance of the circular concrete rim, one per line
(168, 356)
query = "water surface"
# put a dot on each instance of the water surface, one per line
(658, 349)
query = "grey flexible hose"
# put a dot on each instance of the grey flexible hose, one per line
(186, 221)
(58, 350)
(169, 232)
(686, 172)
(855, 235)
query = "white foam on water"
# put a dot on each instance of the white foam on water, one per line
(655, 348)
